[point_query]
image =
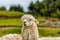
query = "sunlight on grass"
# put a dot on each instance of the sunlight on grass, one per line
(10, 22)
(10, 13)
(10, 31)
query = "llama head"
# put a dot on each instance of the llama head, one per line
(28, 20)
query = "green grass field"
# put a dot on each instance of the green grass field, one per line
(49, 32)
(10, 22)
(10, 13)
(43, 32)
(10, 31)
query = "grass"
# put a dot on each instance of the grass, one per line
(10, 31)
(41, 19)
(10, 22)
(10, 13)
(49, 32)
(43, 32)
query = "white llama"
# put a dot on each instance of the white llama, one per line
(29, 29)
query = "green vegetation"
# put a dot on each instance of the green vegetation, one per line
(49, 32)
(46, 8)
(15, 30)
(43, 32)
(16, 8)
(41, 19)
(10, 13)
(14, 21)
(3, 8)
(41, 10)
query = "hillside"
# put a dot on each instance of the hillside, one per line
(10, 22)
(10, 14)
(10, 18)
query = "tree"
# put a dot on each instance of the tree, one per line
(19, 8)
(31, 7)
(16, 8)
(3, 8)
(47, 8)
(34, 8)
(37, 7)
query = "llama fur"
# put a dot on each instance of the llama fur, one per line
(29, 28)
(11, 37)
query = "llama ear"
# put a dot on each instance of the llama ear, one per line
(36, 21)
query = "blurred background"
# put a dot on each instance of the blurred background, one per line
(47, 12)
